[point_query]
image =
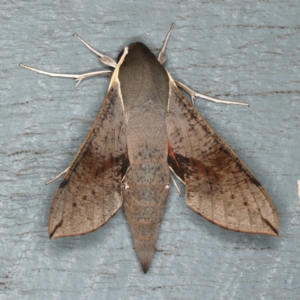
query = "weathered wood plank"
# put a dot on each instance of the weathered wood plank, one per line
(231, 49)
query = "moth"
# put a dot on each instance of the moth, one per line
(145, 130)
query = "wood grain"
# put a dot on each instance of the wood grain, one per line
(229, 49)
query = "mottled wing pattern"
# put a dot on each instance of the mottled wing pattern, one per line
(219, 186)
(90, 193)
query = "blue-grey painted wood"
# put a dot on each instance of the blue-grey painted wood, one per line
(238, 50)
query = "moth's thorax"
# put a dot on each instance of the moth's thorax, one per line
(143, 80)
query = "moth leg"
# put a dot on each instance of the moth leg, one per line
(162, 56)
(57, 176)
(194, 94)
(106, 60)
(175, 183)
(91, 74)
(77, 77)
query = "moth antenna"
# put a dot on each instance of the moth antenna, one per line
(106, 60)
(57, 176)
(162, 56)
(194, 94)
(77, 77)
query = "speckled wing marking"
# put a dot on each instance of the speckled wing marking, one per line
(90, 193)
(219, 186)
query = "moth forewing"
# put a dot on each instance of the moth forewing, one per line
(90, 193)
(219, 186)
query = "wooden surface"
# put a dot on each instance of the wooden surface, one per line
(237, 50)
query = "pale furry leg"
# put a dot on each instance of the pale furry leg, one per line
(103, 58)
(57, 176)
(194, 94)
(175, 183)
(78, 77)
(162, 56)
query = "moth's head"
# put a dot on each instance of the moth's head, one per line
(136, 51)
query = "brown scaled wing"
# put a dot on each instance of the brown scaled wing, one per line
(219, 186)
(90, 193)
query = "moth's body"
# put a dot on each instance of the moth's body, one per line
(146, 183)
(144, 126)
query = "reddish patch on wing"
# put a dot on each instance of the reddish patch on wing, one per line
(174, 164)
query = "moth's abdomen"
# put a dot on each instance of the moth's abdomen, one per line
(145, 192)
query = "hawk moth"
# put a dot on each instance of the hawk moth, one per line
(146, 129)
